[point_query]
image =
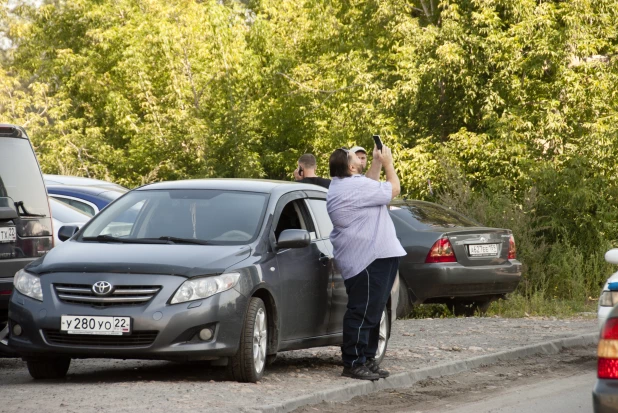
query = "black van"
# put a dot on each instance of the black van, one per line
(25, 218)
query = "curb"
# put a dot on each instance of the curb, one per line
(407, 379)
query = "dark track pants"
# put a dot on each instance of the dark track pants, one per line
(368, 293)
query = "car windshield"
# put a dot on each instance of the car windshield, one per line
(180, 215)
(424, 215)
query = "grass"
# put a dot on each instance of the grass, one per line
(537, 306)
(519, 306)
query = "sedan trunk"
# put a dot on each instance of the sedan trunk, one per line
(474, 247)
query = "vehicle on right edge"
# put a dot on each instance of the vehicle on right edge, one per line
(609, 293)
(605, 392)
(451, 259)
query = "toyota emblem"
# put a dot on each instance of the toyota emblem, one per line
(102, 288)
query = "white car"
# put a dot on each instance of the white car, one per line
(63, 214)
(609, 295)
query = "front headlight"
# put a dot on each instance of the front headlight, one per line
(608, 298)
(28, 284)
(199, 288)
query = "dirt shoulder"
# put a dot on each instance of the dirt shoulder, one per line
(433, 395)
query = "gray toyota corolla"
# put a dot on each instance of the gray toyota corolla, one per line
(231, 271)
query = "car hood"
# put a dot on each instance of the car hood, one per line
(169, 259)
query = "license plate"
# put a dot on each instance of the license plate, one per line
(94, 325)
(8, 234)
(483, 250)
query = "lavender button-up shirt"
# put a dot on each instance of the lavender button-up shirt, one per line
(363, 230)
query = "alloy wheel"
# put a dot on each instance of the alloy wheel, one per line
(383, 337)
(260, 335)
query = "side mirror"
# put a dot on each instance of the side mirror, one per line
(293, 238)
(7, 213)
(67, 231)
(611, 256)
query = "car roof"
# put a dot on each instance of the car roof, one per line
(235, 184)
(412, 202)
(84, 189)
(77, 180)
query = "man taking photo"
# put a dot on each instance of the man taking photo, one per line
(361, 153)
(366, 251)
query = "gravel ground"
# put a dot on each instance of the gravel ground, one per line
(154, 386)
(457, 390)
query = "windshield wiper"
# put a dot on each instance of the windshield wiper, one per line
(185, 240)
(109, 238)
(24, 212)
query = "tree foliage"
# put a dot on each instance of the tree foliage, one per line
(513, 96)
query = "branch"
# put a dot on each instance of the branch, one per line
(425, 9)
(331, 91)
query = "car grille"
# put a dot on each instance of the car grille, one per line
(122, 295)
(136, 339)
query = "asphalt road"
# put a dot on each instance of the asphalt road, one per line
(565, 395)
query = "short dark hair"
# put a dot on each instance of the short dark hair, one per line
(308, 161)
(339, 164)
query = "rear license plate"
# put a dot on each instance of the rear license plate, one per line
(94, 325)
(8, 234)
(483, 250)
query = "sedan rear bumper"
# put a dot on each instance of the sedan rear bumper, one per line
(159, 330)
(605, 396)
(432, 282)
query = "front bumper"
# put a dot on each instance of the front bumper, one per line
(8, 268)
(159, 330)
(432, 282)
(6, 285)
(605, 396)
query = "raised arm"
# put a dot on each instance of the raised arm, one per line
(376, 166)
(386, 158)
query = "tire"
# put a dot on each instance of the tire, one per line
(385, 332)
(250, 361)
(404, 307)
(48, 368)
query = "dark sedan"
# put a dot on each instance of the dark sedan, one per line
(451, 259)
(231, 271)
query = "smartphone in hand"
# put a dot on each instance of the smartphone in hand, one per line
(300, 170)
(378, 141)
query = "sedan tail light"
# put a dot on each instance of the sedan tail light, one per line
(608, 350)
(512, 248)
(441, 251)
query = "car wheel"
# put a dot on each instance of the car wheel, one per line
(48, 368)
(385, 330)
(249, 362)
(404, 307)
